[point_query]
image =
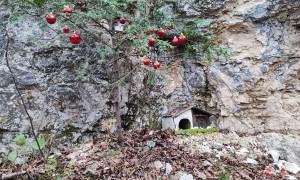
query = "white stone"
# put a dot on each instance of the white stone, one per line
(242, 153)
(186, 177)
(158, 164)
(291, 167)
(205, 150)
(275, 155)
(243, 150)
(119, 27)
(168, 169)
(20, 160)
(182, 176)
(251, 161)
(205, 143)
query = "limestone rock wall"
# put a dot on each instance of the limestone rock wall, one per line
(259, 89)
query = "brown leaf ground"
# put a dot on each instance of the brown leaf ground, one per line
(105, 159)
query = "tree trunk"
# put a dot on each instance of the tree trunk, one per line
(116, 89)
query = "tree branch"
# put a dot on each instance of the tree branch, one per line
(68, 19)
(99, 24)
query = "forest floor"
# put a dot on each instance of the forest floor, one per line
(160, 155)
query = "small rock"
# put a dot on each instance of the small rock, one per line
(275, 155)
(205, 150)
(226, 143)
(243, 150)
(242, 153)
(238, 61)
(158, 164)
(291, 167)
(291, 177)
(20, 160)
(186, 177)
(207, 163)
(216, 146)
(230, 149)
(168, 169)
(234, 142)
(182, 176)
(201, 175)
(205, 143)
(251, 161)
(56, 155)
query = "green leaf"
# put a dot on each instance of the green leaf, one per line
(146, 148)
(12, 156)
(188, 134)
(70, 165)
(41, 142)
(151, 144)
(20, 140)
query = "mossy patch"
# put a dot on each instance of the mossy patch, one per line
(68, 131)
(190, 132)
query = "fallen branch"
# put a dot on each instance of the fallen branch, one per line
(12, 175)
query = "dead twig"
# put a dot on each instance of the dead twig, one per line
(13, 175)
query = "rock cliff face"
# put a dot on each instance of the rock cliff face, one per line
(258, 90)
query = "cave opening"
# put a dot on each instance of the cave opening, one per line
(184, 124)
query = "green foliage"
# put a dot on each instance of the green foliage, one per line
(154, 78)
(83, 71)
(150, 15)
(69, 168)
(51, 165)
(224, 177)
(154, 124)
(55, 169)
(104, 53)
(12, 156)
(38, 3)
(190, 132)
(41, 142)
(22, 150)
(20, 140)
